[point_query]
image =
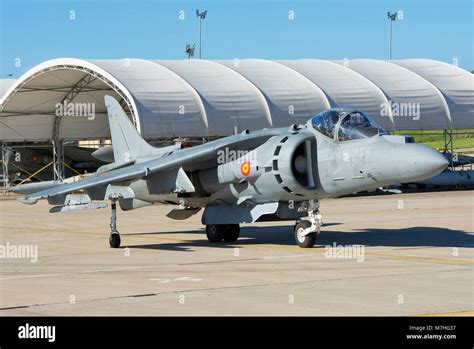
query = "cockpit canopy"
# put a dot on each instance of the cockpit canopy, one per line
(345, 124)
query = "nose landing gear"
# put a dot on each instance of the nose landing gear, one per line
(306, 231)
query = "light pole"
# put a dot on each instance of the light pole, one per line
(391, 18)
(201, 16)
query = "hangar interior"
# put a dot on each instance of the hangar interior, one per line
(202, 99)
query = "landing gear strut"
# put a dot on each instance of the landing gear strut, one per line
(219, 232)
(307, 230)
(114, 239)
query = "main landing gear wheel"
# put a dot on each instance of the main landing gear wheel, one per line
(304, 241)
(214, 232)
(219, 232)
(231, 232)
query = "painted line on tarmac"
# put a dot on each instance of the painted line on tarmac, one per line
(269, 246)
(451, 313)
(420, 258)
(288, 256)
(84, 272)
(62, 231)
(138, 267)
(418, 248)
(374, 254)
(48, 230)
(222, 261)
(221, 288)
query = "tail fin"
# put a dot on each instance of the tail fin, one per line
(126, 141)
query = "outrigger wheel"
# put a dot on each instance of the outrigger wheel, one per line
(114, 239)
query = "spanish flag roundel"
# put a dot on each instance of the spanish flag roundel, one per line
(245, 168)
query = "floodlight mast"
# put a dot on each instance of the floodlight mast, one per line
(201, 16)
(391, 18)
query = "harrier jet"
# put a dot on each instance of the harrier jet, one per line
(267, 175)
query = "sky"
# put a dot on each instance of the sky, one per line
(32, 31)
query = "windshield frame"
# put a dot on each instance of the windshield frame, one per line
(322, 115)
(343, 114)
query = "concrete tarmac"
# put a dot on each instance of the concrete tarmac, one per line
(417, 259)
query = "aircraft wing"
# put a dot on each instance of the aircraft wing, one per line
(141, 170)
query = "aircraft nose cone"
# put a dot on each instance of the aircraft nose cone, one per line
(427, 162)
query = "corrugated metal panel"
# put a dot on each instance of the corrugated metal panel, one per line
(292, 98)
(231, 101)
(415, 103)
(168, 106)
(201, 98)
(344, 87)
(457, 85)
(29, 105)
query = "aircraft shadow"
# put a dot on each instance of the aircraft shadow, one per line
(283, 235)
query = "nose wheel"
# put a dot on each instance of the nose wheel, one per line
(304, 240)
(114, 239)
(306, 231)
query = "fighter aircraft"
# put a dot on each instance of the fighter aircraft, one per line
(271, 174)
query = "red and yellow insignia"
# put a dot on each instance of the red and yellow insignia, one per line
(245, 168)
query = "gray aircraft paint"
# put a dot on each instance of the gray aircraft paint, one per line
(192, 177)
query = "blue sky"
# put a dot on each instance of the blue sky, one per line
(37, 30)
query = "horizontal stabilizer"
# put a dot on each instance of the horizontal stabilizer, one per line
(105, 154)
